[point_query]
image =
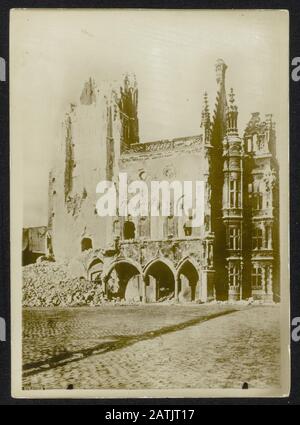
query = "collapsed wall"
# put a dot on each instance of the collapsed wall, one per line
(97, 127)
(49, 284)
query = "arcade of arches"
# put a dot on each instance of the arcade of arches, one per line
(159, 281)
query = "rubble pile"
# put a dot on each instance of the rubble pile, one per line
(49, 284)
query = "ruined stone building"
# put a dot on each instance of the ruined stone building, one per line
(34, 244)
(233, 255)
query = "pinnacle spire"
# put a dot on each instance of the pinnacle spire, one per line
(232, 97)
(206, 123)
(232, 114)
(221, 68)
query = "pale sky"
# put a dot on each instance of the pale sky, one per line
(173, 55)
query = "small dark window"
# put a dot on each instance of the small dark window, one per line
(86, 244)
(188, 230)
(129, 230)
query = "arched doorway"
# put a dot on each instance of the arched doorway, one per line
(124, 282)
(187, 281)
(160, 281)
(95, 270)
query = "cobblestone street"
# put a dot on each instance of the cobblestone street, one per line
(152, 347)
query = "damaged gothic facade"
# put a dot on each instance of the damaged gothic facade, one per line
(234, 255)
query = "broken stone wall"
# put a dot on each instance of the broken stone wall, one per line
(81, 166)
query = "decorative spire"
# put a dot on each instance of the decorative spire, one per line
(206, 123)
(88, 95)
(269, 121)
(232, 115)
(221, 71)
(110, 147)
(128, 108)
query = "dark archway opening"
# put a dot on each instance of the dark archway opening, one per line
(125, 283)
(188, 279)
(95, 271)
(161, 281)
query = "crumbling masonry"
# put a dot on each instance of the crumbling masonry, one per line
(234, 255)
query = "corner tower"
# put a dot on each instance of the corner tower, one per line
(262, 206)
(232, 212)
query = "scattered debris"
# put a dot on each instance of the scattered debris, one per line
(48, 284)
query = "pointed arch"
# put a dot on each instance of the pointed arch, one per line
(160, 276)
(187, 260)
(94, 261)
(187, 279)
(108, 269)
(123, 280)
(95, 269)
(164, 260)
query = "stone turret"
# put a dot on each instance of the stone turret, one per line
(259, 140)
(128, 109)
(233, 200)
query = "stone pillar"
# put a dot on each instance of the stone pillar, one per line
(264, 279)
(204, 286)
(265, 234)
(198, 288)
(207, 285)
(270, 241)
(257, 292)
(234, 293)
(210, 254)
(144, 290)
(177, 289)
(204, 245)
(105, 285)
(269, 288)
(156, 293)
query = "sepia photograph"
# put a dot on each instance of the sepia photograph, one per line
(149, 203)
